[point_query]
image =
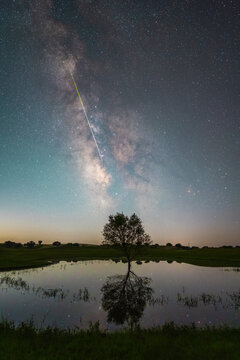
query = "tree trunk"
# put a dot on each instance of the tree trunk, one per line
(129, 265)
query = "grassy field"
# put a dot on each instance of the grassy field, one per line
(168, 342)
(45, 255)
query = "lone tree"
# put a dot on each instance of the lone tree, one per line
(125, 232)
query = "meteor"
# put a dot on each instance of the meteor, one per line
(86, 117)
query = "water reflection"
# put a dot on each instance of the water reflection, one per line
(233, 269)
(147, 294)
(56, 293)
(228, 300)
(235, 298)
(124, 297)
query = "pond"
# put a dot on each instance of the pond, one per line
(73, 294)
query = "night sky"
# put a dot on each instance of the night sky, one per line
(160, 83)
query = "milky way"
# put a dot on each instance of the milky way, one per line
(160, 82)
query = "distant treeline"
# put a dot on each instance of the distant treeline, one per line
(33, 244)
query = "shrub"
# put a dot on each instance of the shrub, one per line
(56, 243)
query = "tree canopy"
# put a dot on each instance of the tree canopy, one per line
(126, 232)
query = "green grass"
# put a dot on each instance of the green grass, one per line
(45, 255)
(168, 342)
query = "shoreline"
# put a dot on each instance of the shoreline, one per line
(24, 258)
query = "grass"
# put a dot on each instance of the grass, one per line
(41, 256)
(168, 342)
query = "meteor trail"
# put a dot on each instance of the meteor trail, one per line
(86, 116)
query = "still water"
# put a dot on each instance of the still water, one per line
(153, 293)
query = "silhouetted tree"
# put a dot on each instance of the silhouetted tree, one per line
(30, 244)
(178, 245)
(126, 232)
(12, 244)
(168, 244)
(39, 242)
(56, 243)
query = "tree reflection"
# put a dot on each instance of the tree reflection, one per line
(125, 297)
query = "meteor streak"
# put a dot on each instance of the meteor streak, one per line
(86, 116)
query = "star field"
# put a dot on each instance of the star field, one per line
(160, 83)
